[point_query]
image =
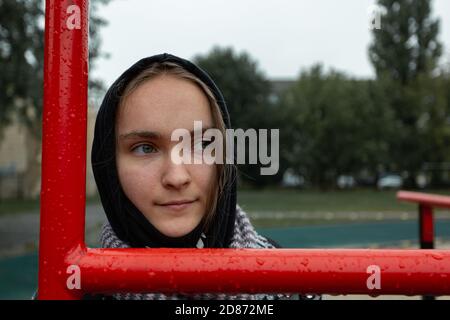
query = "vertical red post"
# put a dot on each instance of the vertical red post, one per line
(63, 184)
(426, 226)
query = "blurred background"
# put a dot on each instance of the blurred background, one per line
(360, 91)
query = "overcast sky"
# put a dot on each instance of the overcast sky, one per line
(283, 36)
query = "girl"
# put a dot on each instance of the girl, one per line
(149, 200)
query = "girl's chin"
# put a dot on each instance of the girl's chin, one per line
(174, 232)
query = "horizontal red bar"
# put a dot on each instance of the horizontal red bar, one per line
(333, 271)
(424, 198)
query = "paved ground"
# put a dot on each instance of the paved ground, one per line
(19, 233)
(346, 215)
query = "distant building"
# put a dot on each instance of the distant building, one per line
(13, 161)
(278, 86)
(13, 156)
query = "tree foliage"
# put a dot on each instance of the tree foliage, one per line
(338, 126)
(22, 74)
(405, 54)
(246, 91)
(22, 59)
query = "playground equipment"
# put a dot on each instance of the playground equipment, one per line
(68, 269)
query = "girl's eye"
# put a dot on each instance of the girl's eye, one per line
(144, 149)
(206, 143)
(203, 144)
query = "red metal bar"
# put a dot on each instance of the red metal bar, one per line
(426, 229)
(63, 181)
(426, 226)
(426, 203)
(432, 200)
(335, 271)
(176, 270)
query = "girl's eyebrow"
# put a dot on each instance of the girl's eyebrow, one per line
(140, 134)
(150, 134)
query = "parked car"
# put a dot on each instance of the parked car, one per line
(290, 179)
(422, 181)
(390, 181)
(345, 182)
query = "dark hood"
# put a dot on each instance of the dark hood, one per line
(127, 221)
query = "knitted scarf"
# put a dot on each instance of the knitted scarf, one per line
(244, 236)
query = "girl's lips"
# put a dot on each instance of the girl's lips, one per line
(178, 206)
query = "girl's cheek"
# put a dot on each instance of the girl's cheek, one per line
(139, 174)
(204, 174)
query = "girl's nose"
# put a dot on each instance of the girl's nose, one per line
(175, 175)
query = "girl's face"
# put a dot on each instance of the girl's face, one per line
(149, 178)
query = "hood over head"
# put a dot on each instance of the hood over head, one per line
(129, 224)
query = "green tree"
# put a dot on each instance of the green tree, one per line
(21, 61)
(405, 53)
(406, 45)
(21, 76)
(244, 86)
(246, 91)
(433, 126)
(334, 125)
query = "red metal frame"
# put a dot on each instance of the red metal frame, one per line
(176, 270)
(426, 227)
(431, 200)
(63, 185)
(332, 271)
(426, 203)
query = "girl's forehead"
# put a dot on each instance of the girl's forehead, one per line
(163, 105)
(167, 91)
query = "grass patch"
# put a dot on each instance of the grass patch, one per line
(329, 201)
(293, 222)
(271, 200)
(11, 206)
(17, 205)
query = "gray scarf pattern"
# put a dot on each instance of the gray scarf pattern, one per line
(244, 236)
